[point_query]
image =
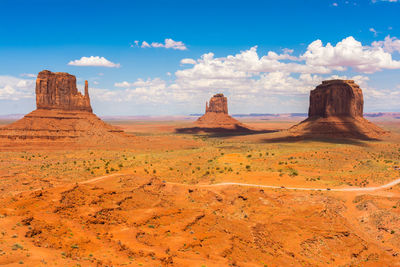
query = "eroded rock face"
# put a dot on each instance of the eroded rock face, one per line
(58, 91)
(218, 104)
(342, 98)
(336, 111)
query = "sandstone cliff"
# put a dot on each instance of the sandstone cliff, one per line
(336, 98)
(336, 110)
(58, 91)
(218, 104)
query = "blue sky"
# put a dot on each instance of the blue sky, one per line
(131, 80)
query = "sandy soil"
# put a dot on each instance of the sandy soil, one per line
(155, 202)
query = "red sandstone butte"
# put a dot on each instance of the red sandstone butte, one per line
(218, 104)
(58, 91)
(62, 114)
(336, 110)
(336, 98)
(216, 115)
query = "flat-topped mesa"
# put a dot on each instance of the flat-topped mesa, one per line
(336, 111)
(57, 90)
(339, 98)
(218, 104)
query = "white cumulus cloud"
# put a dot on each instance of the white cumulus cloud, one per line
(188, 61)
(349, 53)
(389, 44)
(168, 44)
(145, 44)
(94, 61)
(28, 75)
(12, 88)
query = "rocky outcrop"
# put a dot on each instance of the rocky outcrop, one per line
(58, 91)
(336, 110)
(63, 114)
(216, 117)
(336, 98)
(218, 104)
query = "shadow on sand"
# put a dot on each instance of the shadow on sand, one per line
(222, 132)
(351, 131)
(331, 140)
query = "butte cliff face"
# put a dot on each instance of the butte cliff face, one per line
(58, 91)
(336, 98)
(218, 104)
(336, 110)
(62, 114)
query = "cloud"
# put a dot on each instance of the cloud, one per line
(287, 51)
(349, 53)
(318, 59)
(389, 44)
(254, 81)
(168, 44)
(251, 79)
(188, 61)
(122, 84)
(392, 1)
(373, 31)
(28, 75)
(94, 62)
(12, 88)
(258, 82)
(145, 44)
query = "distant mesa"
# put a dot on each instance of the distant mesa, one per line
(216, 118)
(62, 114)
(336, 110)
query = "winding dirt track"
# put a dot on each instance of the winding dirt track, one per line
(350, 189)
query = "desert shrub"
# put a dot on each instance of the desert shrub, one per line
(293, 172)
(17, 246)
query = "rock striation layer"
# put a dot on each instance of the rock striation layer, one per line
(336, 110)
(63, 114)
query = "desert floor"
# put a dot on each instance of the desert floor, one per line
(157, 202)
